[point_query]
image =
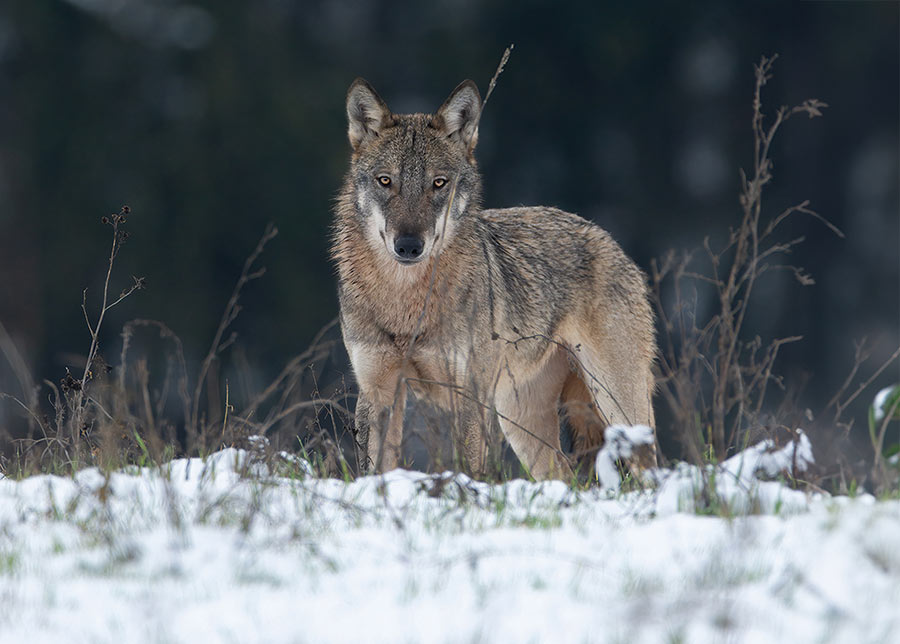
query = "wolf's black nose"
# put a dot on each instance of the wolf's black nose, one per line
(408, 247)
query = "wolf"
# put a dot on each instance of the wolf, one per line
(511, 315)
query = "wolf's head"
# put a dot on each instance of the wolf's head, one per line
(413, 175)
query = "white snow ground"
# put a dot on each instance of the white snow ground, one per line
(196, 552)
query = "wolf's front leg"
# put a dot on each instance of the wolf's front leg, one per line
(379, 429)
(380, 372)
(385, 435)
(362, 421)
(378, 439)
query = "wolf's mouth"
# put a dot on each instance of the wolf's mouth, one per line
(408, 261)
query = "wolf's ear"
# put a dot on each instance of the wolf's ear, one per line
(458, 116)
(366, 112)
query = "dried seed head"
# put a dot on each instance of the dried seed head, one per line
(70, 384)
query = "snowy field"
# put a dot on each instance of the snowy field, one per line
(225, 550)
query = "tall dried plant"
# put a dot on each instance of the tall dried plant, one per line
(713, 377)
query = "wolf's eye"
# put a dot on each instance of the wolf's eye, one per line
(439, 183)
(384, 180)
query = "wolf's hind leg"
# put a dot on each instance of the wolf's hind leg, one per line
(586, 424)
(529, 417)
(477, 442)
(620, 383)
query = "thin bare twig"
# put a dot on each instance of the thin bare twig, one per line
(231, 312)
(438, 249)
(116, 220)
(839, 406)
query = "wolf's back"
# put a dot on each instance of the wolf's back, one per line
(549, 263)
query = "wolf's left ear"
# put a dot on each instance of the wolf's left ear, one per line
(458, 116)
(366, 112)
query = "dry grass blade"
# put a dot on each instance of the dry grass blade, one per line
(450, 201)
(232, 309)
(22, 373)
(316, 350)
(401, 383)
(167, 334)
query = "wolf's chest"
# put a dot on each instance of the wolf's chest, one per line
(401, 310)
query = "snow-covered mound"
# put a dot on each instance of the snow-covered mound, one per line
(227, 550)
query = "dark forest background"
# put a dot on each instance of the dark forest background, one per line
(210, 119)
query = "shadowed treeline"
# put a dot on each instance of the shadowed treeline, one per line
(211, 119)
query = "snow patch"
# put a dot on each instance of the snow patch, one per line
(738, 484)
(225, 549)
(619, 442)
(764, 459)
(881, 398)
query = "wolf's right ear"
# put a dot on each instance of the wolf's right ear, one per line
(366, 112)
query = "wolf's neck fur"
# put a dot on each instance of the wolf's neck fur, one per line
(394, 294)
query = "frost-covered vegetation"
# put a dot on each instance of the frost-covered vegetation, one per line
(247, 547)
